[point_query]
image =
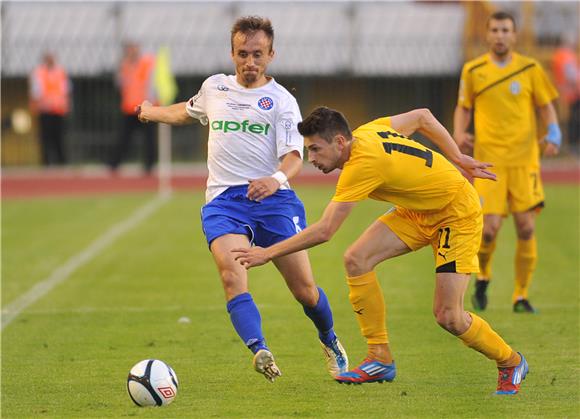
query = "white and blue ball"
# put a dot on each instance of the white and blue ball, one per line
(152, 382)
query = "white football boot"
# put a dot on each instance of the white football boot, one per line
(264, 364)
(336, 358)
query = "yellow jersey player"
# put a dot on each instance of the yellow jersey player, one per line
(434, 205)
(504, 89)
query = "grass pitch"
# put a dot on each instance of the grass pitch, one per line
(68, 354)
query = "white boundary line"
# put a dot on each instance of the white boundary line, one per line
(12, 310)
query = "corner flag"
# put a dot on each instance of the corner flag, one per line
(164, 80)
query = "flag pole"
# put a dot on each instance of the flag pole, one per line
(167, 91)
(164, 161)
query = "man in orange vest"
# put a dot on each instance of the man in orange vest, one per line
(136, 83)
(566, 70)
(50, 90)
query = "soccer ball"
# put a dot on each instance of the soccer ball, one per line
(152, 382)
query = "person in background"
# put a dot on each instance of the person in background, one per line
(566, 70)
(136, 84)
(50, 92)
(505, 90)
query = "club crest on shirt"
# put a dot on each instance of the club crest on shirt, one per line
(222, 88)
(515, 87)
(265, 103)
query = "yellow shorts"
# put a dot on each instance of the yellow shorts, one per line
(454, 232)
(517, 189)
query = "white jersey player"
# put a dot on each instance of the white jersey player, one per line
(253, 149)
(250, 130)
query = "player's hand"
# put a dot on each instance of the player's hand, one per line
(262, 188)
(549, 149)
(475, 168)
(142, 107)
(465, 142)
(250, 257)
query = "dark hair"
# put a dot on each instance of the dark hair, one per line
(501, 16)
(326, 123)
(249, 25)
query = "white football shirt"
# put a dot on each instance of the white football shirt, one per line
(249, 130)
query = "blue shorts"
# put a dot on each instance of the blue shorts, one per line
(270, 221)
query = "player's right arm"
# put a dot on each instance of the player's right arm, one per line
(313, 235)
(423, 121)
(175, 114)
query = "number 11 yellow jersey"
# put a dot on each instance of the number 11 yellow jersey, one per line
(387, 166)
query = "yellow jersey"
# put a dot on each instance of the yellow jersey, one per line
(387, 166)
(504, 101)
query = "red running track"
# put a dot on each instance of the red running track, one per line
(70, 182)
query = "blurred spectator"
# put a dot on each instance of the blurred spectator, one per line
(136, 83)
(50, 90)
(566, 70)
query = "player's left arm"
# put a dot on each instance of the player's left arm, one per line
(544, 94)
(313, 235)
(553, 139)
(423, 121)
(264, 187)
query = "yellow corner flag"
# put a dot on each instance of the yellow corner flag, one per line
(164, 80)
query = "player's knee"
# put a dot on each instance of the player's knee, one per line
(354, 263)
(232, 282)
(449, 319)
(490, 229)
(307, 296)
(525, 231)
(490, 233)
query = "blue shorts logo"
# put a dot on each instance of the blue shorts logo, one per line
(265, 103)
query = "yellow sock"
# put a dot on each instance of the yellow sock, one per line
(485, 255)
(481, 337)
(525, 261)
(368, 303)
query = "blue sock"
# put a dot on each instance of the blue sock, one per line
(321, 316)
(247, 321)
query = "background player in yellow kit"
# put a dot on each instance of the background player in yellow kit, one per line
(504, 89)
(434, 205)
